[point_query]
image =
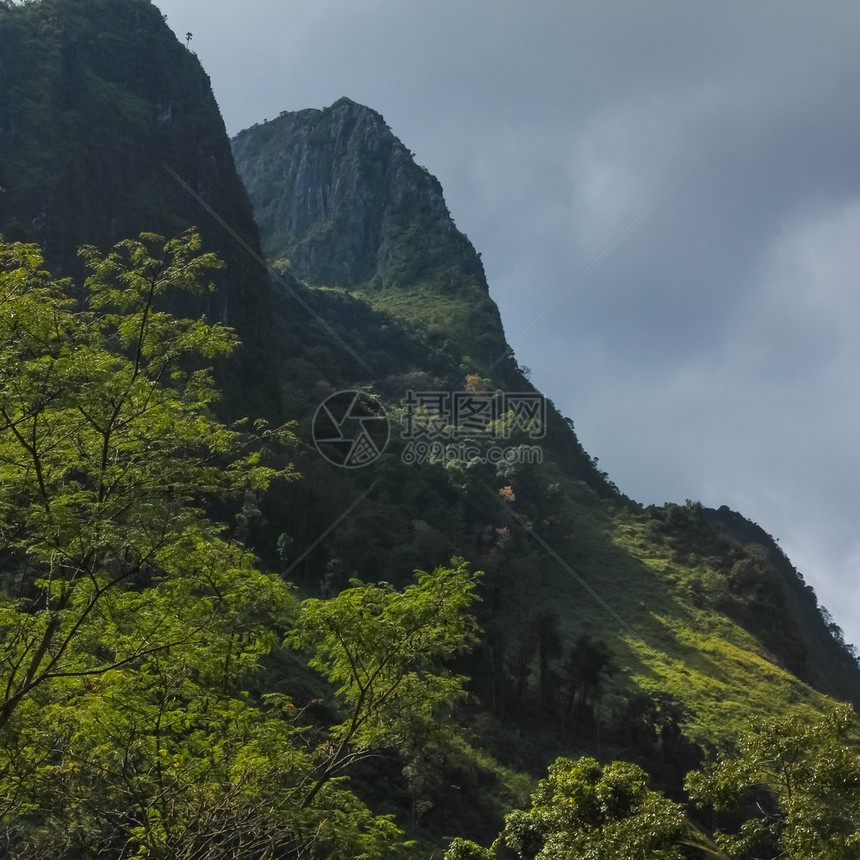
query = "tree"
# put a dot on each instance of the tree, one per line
(130, 622)
(588, 663)
(797, 780)
(104, 467)
(549, 648)
(649, 729)
(587, 811)
(384, 650)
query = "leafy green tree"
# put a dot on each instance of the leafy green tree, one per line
(130, 622)
(797, 780)
(465, 849)
(385, 652)
(104, 467)
(587, 811)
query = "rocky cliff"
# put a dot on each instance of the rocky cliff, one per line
(340, 199)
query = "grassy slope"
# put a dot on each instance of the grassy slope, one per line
(720, 671)
(667, 639)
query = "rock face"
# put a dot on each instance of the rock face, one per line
(97, 100)
(340, 197)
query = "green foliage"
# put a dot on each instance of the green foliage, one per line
(131, 622)
(587, 811)
(801, 778)
(465, 849)
(384, 650)
(102, 466)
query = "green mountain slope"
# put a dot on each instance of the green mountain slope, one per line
(690, 604)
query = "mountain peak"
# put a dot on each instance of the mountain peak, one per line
(339, 195)
(341, 198)
(346, 103)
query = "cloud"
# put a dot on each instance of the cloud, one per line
(767, 419)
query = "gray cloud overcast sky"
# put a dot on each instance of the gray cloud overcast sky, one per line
(714, 354)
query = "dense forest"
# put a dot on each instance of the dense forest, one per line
(229, 630)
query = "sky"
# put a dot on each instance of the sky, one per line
(713, 353)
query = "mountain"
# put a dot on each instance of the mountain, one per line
(103, 117)
(342, 202)
(607, 628)
(698, 604)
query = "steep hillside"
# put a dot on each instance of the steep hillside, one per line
(779, 605)
(100, 106)
(688, 607)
